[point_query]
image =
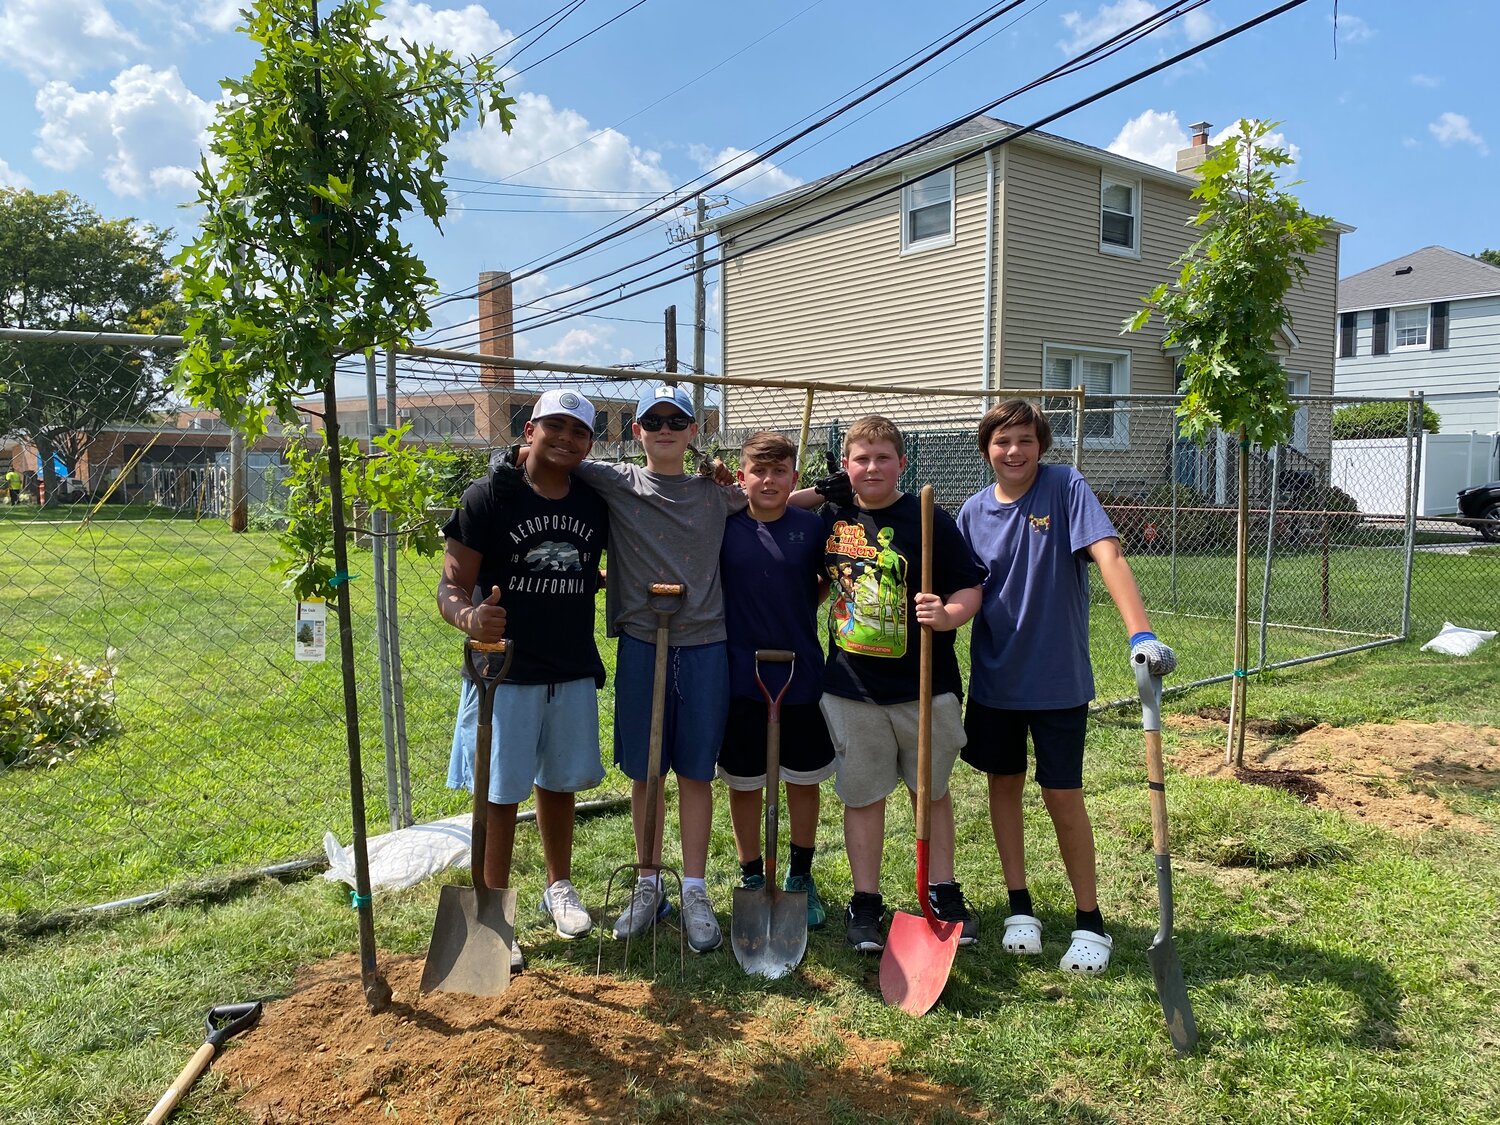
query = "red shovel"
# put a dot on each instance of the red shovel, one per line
(919, 949)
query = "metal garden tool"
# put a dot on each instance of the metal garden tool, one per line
(475, 926)
(665, 599)
(1166, 968)
(919, 949)
(221, 1023)
(768, 927)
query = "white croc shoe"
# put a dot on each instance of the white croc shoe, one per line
(1023, 935)
(1089, 953)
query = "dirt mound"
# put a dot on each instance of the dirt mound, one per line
(1390, 774)
(560, 1048)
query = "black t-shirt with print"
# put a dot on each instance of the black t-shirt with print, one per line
(873, 560)
(544, 556)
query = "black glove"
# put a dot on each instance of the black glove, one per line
(835, 486)
(506, 479)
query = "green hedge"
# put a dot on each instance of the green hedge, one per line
(1378, 420)
(52, 708)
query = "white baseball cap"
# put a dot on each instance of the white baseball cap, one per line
(563, 401)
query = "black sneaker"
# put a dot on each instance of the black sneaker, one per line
(949, 904)
(862, 922)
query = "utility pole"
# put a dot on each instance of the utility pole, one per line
(698, 306)
(671, 352)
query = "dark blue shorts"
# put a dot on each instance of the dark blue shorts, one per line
(997, 742)
(696, 706)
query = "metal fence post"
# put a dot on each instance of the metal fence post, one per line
(1265, 582)
(1078, 429)
(393, 624)
(377, 564)
(1415, 433)
(807, 405)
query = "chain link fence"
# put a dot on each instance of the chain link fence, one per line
(230, 754)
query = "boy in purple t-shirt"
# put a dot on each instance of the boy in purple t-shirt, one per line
(1035, 532)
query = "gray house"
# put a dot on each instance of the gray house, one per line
(1429, 322)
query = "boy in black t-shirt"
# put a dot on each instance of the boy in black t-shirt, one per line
(522, 561)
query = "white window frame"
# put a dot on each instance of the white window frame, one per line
(1425, 315)
(1107, 181)
(1062, 436)
(908, 245)
(1299, 383)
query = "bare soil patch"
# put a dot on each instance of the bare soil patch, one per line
(558, 1047)
(1395, 775)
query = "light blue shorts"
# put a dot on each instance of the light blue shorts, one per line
(544, 734)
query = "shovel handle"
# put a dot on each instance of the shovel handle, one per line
(487, 684)
(773, 750)
(658, 705)
(924, 690)
(222, 1022)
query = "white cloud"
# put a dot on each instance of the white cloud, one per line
(218, 15)
(1154, 138)
(1454, 128)
(1110, 19)
(143, 134)
(590, 345)
(1198, 25)
(535, 293)
(606, 162)
(465, 31)
(1410, 142)
(9, 177)
(1427, 80)
(1352, 29)
(761, 178)
(62, 38)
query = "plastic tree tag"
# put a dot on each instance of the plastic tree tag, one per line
(311, 638)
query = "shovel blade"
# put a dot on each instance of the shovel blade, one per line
(768, 930)
(917, 959)
(1166, 971)
(471, 939)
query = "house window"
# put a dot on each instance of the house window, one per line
(1409, 327)
(520, 414)
(927, 212)
(1347, 323)
(1100, 373)
(1119, 216)
(1299, 385)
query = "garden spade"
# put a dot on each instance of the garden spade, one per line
(768, 927)
(221, 1023)
(919, 949)
(1166, 968)
(471, 939)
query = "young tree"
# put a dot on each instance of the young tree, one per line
(63, 266)
(1225, 309)
(318, 153)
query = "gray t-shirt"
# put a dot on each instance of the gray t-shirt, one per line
(663, 529)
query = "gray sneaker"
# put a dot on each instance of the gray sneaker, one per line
(569, 915)
(703, 933)
(517, 958)
(646, 907)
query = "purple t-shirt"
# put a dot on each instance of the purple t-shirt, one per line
(1030, 646)
(770, 573)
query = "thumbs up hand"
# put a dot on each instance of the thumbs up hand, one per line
(487, 619)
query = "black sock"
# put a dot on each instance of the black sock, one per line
(863, 898)
(1020, 902)
(1090, 920)
(756, 866)
(801, 861)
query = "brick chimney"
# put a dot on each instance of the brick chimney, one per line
(496, 327)
(1195, 154)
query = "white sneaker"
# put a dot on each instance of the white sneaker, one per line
(647, 905)
(517, 958)
(569, 914)
(703, 933)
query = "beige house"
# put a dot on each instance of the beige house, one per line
(1012, 269)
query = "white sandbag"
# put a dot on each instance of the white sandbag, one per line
(403, 858)
(1457, 641)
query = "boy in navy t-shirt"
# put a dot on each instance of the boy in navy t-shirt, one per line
(771, 563)
(1035, 532)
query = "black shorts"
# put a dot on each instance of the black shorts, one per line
(997, 742)
(806, 749)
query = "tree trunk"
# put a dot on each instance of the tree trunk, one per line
(49, 485)
(1234, 750)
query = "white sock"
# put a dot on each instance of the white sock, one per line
(688, 883)
(649, 881)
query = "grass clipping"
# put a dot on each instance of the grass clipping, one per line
(562, 1048)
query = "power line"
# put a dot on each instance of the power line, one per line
(580, 39)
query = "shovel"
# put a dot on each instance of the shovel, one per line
(222, 1022)
(919, 949)
(656, 591)
(768, 928)
(1166, 968)
(475, 926)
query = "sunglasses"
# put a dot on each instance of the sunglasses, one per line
(654, 422)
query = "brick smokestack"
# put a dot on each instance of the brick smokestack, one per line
(496, 327)
(1188, 159)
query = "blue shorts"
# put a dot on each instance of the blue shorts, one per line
(997, 742)
(544, 734)
(697, 704)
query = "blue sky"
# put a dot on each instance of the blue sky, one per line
(1393, 115)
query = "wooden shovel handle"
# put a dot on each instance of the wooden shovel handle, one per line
(924, 683)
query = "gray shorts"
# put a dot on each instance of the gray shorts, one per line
(876, 746)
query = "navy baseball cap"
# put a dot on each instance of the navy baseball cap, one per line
(677, 397)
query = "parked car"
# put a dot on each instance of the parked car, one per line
(1479, 507)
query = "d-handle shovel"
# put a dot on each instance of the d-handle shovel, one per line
(475, 926)
(919, 949)
(1166, 968)
(768, 928)
(221, 1023)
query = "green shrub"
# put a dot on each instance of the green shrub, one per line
(1378, 420)
(52, 708)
